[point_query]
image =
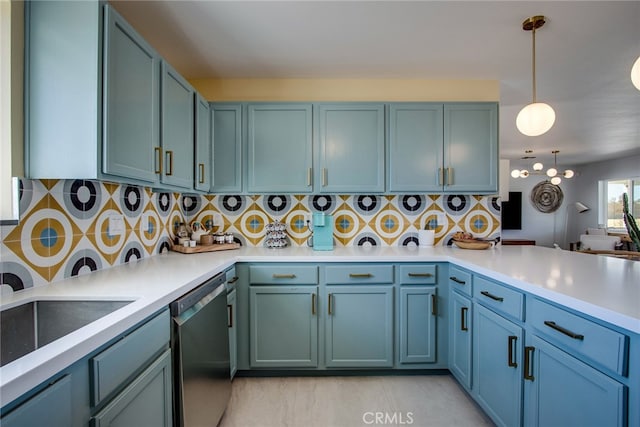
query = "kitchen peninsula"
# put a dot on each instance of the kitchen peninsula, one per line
(598, 293)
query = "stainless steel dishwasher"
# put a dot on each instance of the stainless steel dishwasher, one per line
(200, 342)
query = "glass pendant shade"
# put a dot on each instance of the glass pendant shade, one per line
(556, 180)
(537, 166)
(515, 173)
(635, 74)
(568, 173)
(551, 172)
(524, 173)
(535, 119)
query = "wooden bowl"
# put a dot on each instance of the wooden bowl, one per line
(472, 244)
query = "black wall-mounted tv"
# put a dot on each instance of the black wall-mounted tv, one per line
(512, 212)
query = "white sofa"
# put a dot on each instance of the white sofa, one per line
(598, 242)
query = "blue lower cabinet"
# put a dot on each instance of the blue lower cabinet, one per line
(417, 318)
(283, 326)
(560, 390)
(460, 338)
(497, 368)
(50, 407)
(359, 326)
(146, 401)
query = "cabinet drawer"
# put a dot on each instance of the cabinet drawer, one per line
(283, 274)
(460, 279)
(360, 273)
(418, 274)
(579, 336)
(111, 368)
(502, 299)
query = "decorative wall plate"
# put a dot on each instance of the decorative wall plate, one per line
(546, 197)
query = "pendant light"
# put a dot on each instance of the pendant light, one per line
(536, 118)
(553, 174)
(635, 74)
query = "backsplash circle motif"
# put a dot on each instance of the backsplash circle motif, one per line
(277, 205)
(81, 198)
(26, 195)
(163, 204)
(367, 205)
(191, 204)
(409, 240)
(133, 251)
(494, 206)
(15, 276)
(457, 204)
(411, 204)
(83, 262)
(164, 245)
(131, 201)
(323, 203)
(232, 205)
(367, 240)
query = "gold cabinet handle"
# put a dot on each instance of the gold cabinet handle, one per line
(313, 304)
(309, 175)
(158, 154)
(169, 154)
(490, 295)
(562, 330)
(330, 307)
(434, 305)
(440, 176)
(234, 279)
(419, 274)
(511, 342)
(230, 311)
(201, 172)
(463, 319)
(360, 275)
(528, 363)
(449, 176)
(324, 177)
(284, 276)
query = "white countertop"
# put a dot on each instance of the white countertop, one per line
(603, 287)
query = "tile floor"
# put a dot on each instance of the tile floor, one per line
(432, 400)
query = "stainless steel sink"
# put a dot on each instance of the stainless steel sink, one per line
(29, 326)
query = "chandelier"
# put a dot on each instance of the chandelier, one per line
(553, 174)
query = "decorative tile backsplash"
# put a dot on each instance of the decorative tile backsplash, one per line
(64, 227)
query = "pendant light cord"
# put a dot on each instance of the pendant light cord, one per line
(533, 62)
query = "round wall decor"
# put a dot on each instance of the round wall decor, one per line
(546, 197)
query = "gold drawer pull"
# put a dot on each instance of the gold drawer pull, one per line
(169, 154)
(234, 279)
(284, 276)
(360, 275)
(330, 310)
(420, 275)
(158, 153)
(201, 171)
(313, 304)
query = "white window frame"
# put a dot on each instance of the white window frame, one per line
(603, 202)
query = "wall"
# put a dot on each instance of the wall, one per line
(64, 230)
(389, 90)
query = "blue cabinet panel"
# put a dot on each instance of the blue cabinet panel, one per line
(359, 326)
(351, 148)
(226, 122)
(279, 148)
(418, 317)
(460, 338)
(51, 407)
(562, 391)
(500, 298)
(203, 161)
(497, 370)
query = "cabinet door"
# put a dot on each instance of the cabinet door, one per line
(226, 123)
(202, 172)
(560, 390)
(497, 370)
(279, 148)
(50, 407)
(145, 402)
(131, 130)
(471, 147)
(359, 326)
(283, 326)
(460, 339)
(233, 332)
(351, 148)
(177, 129)
(415, 147)
(418, 316)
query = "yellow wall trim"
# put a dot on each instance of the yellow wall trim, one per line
(347, 90)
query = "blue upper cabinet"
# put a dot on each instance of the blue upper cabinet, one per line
(202, 171)
(226, 124)
(279, 148)
(130, 103)
(471, 147)
(350, 148)
(415, 147)
(177, 129)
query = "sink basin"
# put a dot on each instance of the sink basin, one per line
(29, 326)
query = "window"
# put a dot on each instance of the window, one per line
(611, 192)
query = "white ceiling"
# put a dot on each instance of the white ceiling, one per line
(584, 55)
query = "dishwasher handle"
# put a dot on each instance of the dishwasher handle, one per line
(192, 302)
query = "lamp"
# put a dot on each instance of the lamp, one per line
(580, 208)
(552, 172)
(635, 74)
(536, 118)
